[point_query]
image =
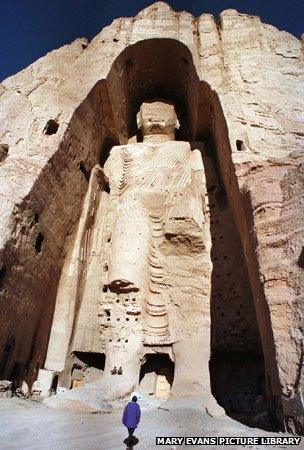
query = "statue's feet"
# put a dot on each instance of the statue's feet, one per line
(203, 402)
(95, 396)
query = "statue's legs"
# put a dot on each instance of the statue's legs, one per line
(127, 358)
(129, 249)
(191, 374)
(100, 393)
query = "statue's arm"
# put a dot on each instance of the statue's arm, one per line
(97, 180)
(102, 178)
(198, 171)
(199, 177)
(113, 167)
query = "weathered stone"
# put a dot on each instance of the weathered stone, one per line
(6, 389)
(237, 89)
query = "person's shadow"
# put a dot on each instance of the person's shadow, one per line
(131, 442)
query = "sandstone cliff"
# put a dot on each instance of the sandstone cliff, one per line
(59, 116)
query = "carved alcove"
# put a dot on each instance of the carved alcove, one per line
(164, 68)
(156, 374)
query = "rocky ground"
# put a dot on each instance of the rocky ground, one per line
(30, 425)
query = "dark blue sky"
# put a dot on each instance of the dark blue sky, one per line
(31, 28)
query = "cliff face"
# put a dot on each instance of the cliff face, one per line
(59, 116)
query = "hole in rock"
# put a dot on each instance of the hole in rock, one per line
(301, 259)
(51, 127)
(238, 384)
(83, 170)
(39, 242)
(129, 64)
(15, 375)
(3, 152)
(92, 359)
(54, 384)
(221, 200)
(156, 375)
(36, 217)
(240, 145)
(7, 353)
(2, 276)
(211, 189)
(87, 367)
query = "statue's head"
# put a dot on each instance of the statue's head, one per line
(157, 118)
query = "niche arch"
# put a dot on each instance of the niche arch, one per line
(164, 68)
(158, 68)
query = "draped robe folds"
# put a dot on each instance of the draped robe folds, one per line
(148, 183)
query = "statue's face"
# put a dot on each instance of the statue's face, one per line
(157, 118)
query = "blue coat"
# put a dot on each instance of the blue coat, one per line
(131, 415)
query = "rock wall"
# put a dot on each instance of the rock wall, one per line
(59, 116)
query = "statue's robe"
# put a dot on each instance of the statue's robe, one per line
(153, 188)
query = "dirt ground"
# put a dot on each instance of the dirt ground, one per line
(30, 425)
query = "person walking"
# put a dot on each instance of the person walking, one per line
(131, 418)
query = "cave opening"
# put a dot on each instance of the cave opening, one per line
(51, 127)
(54, 384)
(238, 384)
(2, 275)
(15, 375)
(92, 359)
(156, 375)
(4, 148)
(39, 242)
(301, 259)
(7, 354)
(84, 171)
(86, 367)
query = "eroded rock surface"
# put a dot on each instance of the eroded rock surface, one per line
(237, 86)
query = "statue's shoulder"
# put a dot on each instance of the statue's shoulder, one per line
(186, 143)
(197, 152)
(117, 148)
(176, 144)
(131, 147)
(197, 146)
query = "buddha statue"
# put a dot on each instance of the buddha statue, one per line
(139, 269)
